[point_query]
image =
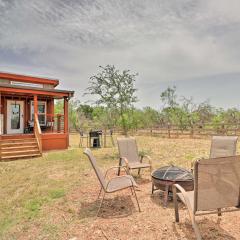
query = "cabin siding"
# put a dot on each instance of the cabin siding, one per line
(54, 141)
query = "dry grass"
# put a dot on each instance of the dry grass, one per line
(54, 197)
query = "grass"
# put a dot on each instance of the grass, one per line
(40, 198)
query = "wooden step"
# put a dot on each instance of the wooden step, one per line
(20, 156)
(18, 140)
(19, 152)
(19, 147)
(9, 144)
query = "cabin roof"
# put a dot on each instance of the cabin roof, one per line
(28, 78)
(34, 90)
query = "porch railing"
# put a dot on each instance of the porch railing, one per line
(37, 133)
(54, 123)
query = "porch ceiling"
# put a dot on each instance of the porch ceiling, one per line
(30, 91)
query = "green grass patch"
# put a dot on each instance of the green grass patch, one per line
(5, 224)
(56, 193)
(33, 206)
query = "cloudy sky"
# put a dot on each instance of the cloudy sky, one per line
(193, 44)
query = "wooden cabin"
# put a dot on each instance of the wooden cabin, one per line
(28, 124)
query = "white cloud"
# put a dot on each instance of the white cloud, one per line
(163, 40)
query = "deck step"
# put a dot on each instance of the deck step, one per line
(20, 156)
(9, 144)
(19, 152)
(19, 148)
(18, 140)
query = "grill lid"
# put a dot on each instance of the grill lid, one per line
(172, 173)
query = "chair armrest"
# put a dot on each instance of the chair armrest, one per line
(180, 188)
(125, 160)
(148, 157)
(115, 167)
(187, 200)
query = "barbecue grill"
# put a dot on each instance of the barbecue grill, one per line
(95, 135)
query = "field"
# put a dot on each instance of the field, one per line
(54, 197)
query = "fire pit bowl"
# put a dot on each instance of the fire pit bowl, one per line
(164, 177)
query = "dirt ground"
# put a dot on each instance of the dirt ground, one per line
(73, 214)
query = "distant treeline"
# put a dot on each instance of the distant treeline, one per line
(115, 95)
(182, 114)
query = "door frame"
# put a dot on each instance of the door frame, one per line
(8, 128)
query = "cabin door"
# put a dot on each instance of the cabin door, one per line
(15, 110)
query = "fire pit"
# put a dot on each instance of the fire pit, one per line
(163, 179)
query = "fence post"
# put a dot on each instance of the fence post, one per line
(223, 129)
(105, 138)
(169, 130)
(192, 130)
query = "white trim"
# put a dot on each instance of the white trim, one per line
(17, 83)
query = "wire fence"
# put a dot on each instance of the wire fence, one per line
(175, 131)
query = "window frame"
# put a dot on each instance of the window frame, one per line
(45, 113)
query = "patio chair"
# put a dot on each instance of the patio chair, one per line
(114, 184)
(223, 146)
(128, 153)
(216, 189)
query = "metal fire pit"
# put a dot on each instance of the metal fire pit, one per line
(163, 179)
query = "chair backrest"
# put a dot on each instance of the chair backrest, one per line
(127, 148)
(216, 183)
(97, 170)
(223, 146)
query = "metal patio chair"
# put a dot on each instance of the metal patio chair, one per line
(128, 153)
(114, 184)
(216, 189)
(223, 146)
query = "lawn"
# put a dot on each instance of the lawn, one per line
(54, 197)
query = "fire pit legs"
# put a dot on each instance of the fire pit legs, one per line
(165, 196)
(152, 188)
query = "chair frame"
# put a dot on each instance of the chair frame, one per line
(105, 189)
(126, 161)
(194, 213)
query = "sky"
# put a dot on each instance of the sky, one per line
(192, 44)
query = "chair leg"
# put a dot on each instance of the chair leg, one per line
(119, 164)
(131, 190)
(136, 199)
(101, 203)
(139, 170)
(196, 229)
(219, 212)
(175, 203)
(99, 193)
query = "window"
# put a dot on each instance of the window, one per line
(42, 110)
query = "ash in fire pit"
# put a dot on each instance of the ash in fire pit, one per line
(163, 179)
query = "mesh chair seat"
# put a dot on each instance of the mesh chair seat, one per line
(138, 165)
(119, 183)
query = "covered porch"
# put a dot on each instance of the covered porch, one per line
(29, 113)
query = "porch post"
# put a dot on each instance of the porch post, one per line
(35, 103)
(66, 119)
